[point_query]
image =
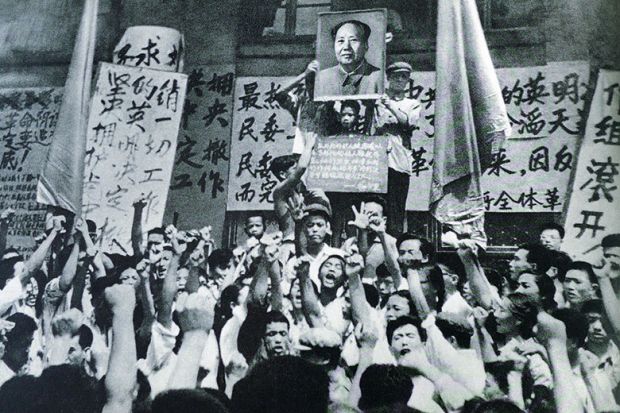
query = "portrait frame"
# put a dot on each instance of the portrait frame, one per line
(372, 84)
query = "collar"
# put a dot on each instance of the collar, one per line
(352, 79)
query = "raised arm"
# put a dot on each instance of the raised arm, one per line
(478, 282)
(136, 226)
(284, 189)
(309, 297)
(417, 295)
(121, 376)
(169, 287)
(195, 320)
(610, 301)
(312, 68)
(366, 337)
(260, 283)
(38, 256)
(295, 206)
(390, 251)
(552, 333)
(359, 306)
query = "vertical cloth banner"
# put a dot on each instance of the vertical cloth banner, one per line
(199, 183)
(470, 118)
(28, 118)
(60, 182)
(593, 208)
(131, 142)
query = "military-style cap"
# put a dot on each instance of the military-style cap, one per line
(399, 67)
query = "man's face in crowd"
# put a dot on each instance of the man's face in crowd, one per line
(385, 286)
(596, 331)
(182, 275)
(32, 291)
(276, 339)
(612, 256)
(16, 351)
(577, 287)
(155, 238)
(519, 263)
(349, 45)
(550, 239)
(164, 262)
(255, 227)
(348, 118)
(76, 354)
(450, 280)
(295, 295)
(527, 286)
(197, 257)
(221, 272)
(405, 339)
(395, 307)
(410, 250)
(506, 323)
(374, 209)
(398, 80)
(129, 277)
(331, 273)
(315, 229)
(468, 295)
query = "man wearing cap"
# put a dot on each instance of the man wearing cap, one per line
(353, 75)
(395, 116)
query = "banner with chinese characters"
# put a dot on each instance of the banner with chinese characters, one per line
(593, 210)
(261, 131)
(349, 164)
(131, 142)
(531, 173)
(197, 194)
(152, 47)
(27, 122)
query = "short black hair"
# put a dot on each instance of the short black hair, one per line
(362, 26)
(282, 163)
(291, 383)
(552, 225)
(353, 104)
(220, 258)
(85, 336)
(187, 400)
(593, 306)
(524, 309)
(546, 288)
(452, 329)
(376, 199)
(576, 324)
(405, 294)
(404, 320)
(384, 385)
(583, 267)
(23, 326)
(276, 317)
(254, 214)
(157, 231)
(426, 248)
(537, 255)
(372, 295)
(382, 271)
(611, 241)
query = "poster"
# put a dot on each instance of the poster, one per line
(531, 173)
(27, 121)
(199, 184)
(131, 141)
(593, 209)
(349, 164)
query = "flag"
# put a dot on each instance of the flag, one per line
(62, 175)
(470, 118)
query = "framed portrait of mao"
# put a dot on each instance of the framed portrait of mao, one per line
(351, 54)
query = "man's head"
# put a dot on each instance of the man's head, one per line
(398, 74)
(18, 341)
(539, 287)
(276, 339)
(282, 166)
(376, 206)
(80, 344)
(129, 276)
(551, 235)
(404, 335)
(349, 115)
(414, 248)
(221, 263)
(529, 257)
(255, 225)
(385, 388)
(399, 304)
(156, 236)
(580, 283)
(594, 311)
(350, 43)
(456, 329)
(315, 226)
(384, 282)
(331, 272)
(611, 250)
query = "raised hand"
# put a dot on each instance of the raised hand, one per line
(361, 217)
(480, 316)
(170, 232)
(366, 336)
(179, 243)
(140, 202)
(313, 67)
(302, 266)
(354, 264)
(195, 311)
(58, 224)
(550, 329)
(377, 224)
(121, 298)
(295, 206)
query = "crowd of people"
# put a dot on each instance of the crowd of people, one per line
(348, 316)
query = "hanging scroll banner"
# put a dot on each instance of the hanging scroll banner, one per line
(593, 209)
(28, 119)
(349, 164)
(197, 194)
(131, 142)
(152, 47)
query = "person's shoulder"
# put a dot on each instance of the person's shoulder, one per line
(330, 71)
(371, 69)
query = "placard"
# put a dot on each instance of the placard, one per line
(349, 164)
(131, 141)
(27, 121)
(593, 209)
(199, 182)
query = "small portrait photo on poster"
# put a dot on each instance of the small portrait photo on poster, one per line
(351, 54)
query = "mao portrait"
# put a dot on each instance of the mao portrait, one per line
(351, 54)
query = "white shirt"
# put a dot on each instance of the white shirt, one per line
(5, 373)
(10, 294)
